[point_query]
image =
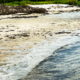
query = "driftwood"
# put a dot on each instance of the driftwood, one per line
(20, 9)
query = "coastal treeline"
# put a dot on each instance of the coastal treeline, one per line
(25, 2)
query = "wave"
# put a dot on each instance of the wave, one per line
(37, 54)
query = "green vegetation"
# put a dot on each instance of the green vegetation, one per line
(26, 2)
(29, 2)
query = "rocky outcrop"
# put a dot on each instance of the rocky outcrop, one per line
(4, 10)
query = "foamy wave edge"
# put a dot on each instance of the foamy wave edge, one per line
(38, 54)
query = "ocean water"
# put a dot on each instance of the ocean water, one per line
(67, 15)
(63, 64)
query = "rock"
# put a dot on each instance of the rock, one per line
(14, 36)
(24, 34)
(63, 32)
(4, 10)
(11, 36)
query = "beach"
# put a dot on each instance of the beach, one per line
(26, 40)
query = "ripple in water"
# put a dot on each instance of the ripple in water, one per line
(64, 64)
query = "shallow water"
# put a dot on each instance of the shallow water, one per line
(64, 64)
(67, 15)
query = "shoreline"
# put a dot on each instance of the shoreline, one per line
(37, 54)
(47, 50)
(25, 42)
(57, 8)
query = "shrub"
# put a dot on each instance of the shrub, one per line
(23, 3)
(72, 2)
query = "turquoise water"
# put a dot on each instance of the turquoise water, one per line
(64, 64)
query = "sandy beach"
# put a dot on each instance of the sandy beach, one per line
(23, 40)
